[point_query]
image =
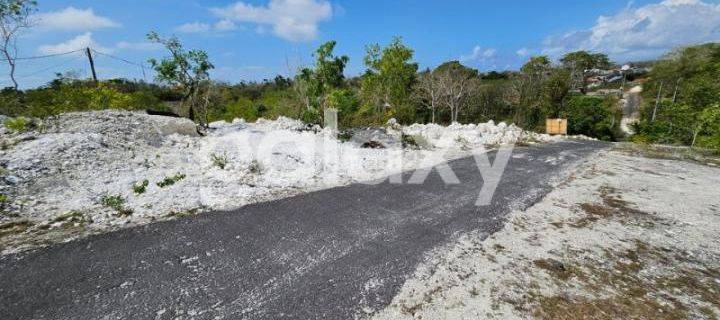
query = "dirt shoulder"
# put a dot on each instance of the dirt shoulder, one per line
(623, 237)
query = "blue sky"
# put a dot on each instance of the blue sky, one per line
(255, 39)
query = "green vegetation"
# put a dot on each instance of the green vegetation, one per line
(682, 99)
(219, 161)
(117, 203)
(682, 95)
(170, 180)
(19, 124)
(141, 187)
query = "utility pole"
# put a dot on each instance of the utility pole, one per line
(92, 63)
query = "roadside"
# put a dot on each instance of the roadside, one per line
(94, 172)
(623, 237)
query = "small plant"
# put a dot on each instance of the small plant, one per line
(3, 198)
(117, 203)
(408, 141)
(219, 161)
(72, 218)
(345, 136)
(171, 180)
(19, 124)
(255, 167)
(139, 188)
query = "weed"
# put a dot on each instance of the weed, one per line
(139, 188)
(170, 180)
(117, 203)
(345, 136)
(219, 161)
(3, 199)
(408, 141)
(19, 124)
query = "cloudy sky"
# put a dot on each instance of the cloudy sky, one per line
(256, 39)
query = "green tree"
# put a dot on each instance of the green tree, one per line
(188, 70)
(312, 85)
(387, 83)
(14, 17)
(557, 88)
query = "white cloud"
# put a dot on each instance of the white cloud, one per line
(193, 27)
(72, 18)
(139, 46)
(294, 20)
(80, 42)
(644, 32)
(201, 27)
(478, 54)
(523, 52)
(225, 25)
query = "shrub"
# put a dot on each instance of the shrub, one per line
(139, 188)
(117, 203)
(594, 117)
(19, 124)
(171, 180)
(219, 161)
(408, 141)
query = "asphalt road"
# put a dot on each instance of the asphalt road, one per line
(323, 255)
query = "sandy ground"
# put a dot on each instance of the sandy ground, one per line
(623, 237)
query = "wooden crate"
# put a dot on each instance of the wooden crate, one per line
(556, 126)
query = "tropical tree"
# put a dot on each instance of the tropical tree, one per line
(387, 83)
(14, 17)
(188, 70)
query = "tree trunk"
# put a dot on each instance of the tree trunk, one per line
(657, 101)
(695, 134)
(11, 62)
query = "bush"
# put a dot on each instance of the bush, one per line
(140, 188)
(171, 180)
(19, 124)
(593, 117)
(219, 161)
(117, 203)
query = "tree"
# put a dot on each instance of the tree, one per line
(528, 90)
(312, 85)
(426, 91)
(703, 119)
(14, 17)
(557, 88)
(188, 70)
(580, 61)
(457, 85)
(388, 81)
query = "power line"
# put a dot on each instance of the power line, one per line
(42, 56)
(142, 66)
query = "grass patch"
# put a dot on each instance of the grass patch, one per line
(171, 180)
(19, 124)
(140, 187)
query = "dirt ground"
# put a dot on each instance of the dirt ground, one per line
(625, 236)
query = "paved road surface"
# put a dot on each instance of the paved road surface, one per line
(323, 255)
